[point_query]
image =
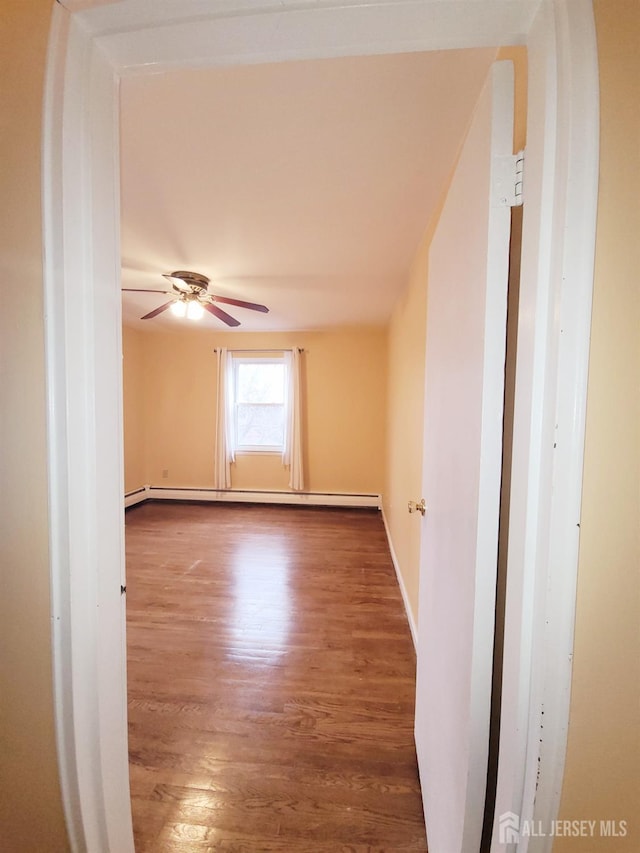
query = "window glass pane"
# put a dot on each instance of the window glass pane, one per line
(260, 425)
(259, 394)
(260, 383)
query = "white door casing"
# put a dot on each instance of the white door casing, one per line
(556, 282)
(464, 393)
(92, 45)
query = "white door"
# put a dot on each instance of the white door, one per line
(466, 322)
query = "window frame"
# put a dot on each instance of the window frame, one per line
(263, 449)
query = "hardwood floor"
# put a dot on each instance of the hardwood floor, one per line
(271, 682)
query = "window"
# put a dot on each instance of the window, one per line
(259, 405)
(259, 409)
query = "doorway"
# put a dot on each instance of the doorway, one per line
(90, 49)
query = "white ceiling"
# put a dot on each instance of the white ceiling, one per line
(303, 185)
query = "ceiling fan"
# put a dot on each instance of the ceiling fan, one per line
(190, 298)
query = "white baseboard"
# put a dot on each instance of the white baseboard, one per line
(412, 625)
(254, 496)
(136, 496)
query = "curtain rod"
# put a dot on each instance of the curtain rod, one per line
(259, 349)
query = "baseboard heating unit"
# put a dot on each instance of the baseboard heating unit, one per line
(337, 499)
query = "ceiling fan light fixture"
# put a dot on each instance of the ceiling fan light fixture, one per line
(179, 308)
(194, 310)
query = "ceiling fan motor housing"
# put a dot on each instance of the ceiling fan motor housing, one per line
(188, 282)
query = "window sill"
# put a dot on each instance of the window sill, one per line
(259, 452)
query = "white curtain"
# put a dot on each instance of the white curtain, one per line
(292, 456)
(225, 440)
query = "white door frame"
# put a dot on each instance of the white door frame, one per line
(92, 45)
(549, 421)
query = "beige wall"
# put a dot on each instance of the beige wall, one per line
(602, 777)
(30, 808)
(345, 377)
(405, 414)
(133, 381)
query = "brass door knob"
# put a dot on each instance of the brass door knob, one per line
(418, 506)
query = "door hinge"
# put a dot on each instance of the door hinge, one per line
(508, 180)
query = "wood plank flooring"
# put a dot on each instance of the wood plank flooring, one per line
(271, 682)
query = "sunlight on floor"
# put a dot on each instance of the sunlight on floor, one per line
(261, 599)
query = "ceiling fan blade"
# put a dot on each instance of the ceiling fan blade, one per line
(159, 310)
(254, 306)
(142, 290)
(220, 314)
